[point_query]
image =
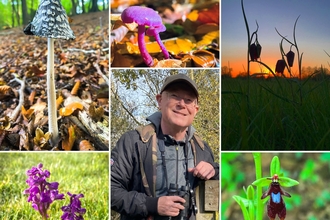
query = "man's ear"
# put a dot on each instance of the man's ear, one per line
(197, 109)
(159, 99)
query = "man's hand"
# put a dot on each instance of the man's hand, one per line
(170, 205)
(203, 170)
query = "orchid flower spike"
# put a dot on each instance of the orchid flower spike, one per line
(144, 16)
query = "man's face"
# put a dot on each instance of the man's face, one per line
(178, 106)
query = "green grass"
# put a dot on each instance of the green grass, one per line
(86, 173)
(272, 116)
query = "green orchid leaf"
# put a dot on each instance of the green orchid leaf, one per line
(288, 182)
(250, 192)
(242, 202)
(275, 166)
(265, 181)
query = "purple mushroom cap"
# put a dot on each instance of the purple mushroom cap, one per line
(144, 16)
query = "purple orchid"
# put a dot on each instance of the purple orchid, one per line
(41, 193)
(144, 16)
(73, 211)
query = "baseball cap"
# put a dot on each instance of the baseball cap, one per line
(180, 78)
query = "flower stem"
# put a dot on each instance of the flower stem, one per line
(257, 162)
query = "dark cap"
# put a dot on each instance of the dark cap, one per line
(180, 78)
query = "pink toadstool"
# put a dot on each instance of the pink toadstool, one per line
(144, 16)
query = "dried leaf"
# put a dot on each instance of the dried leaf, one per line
(37, 71)
(170, 63)
(180, 45)
(4, 91)
(27, 113)
(210, 15)
(63, 58)
(39, 106)
(202, 58)
(31, 97)
(85, 145)
(96, 113)
(193, 16)
(5, 123)
(129, 48)
(14, 140)
(69, 109)
(69, 140)
(209, 38)
(2, 136)
(41, 139)
(59, 101)
(24, 142)
(75, 88)
(104, 63)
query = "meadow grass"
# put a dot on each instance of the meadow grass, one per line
(86, 173)
(274, 115)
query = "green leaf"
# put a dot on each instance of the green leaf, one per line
(308, 170)
(241, 200)
(251, 210)
(243, 203)
(288, 182)
(250, 192)
(265, 181)
(275, 166)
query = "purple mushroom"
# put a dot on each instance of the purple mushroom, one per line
(144, 16)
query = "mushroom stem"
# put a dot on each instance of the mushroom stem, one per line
(162, 47)
(142, 46)
(51, 94)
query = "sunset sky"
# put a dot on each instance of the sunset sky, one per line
(312, 31)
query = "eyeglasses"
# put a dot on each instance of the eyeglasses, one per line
(187, 101)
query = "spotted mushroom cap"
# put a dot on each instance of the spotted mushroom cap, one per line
(50, 21)
(144, 16)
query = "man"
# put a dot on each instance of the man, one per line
(150, 165)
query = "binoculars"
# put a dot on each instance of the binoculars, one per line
(187, 194)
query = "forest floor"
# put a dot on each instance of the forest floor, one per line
(81, 82)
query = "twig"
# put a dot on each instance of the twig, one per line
(118, 34)
(97, 67)
(14, 114)
(86, 51)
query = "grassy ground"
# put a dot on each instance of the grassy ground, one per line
(275, 115)
(86, 173)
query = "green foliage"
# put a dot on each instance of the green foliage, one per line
(86, 173)
(270, 123)
(308, 172)
(11, 11)
(228, 174)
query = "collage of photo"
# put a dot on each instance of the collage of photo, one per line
(164, 110)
